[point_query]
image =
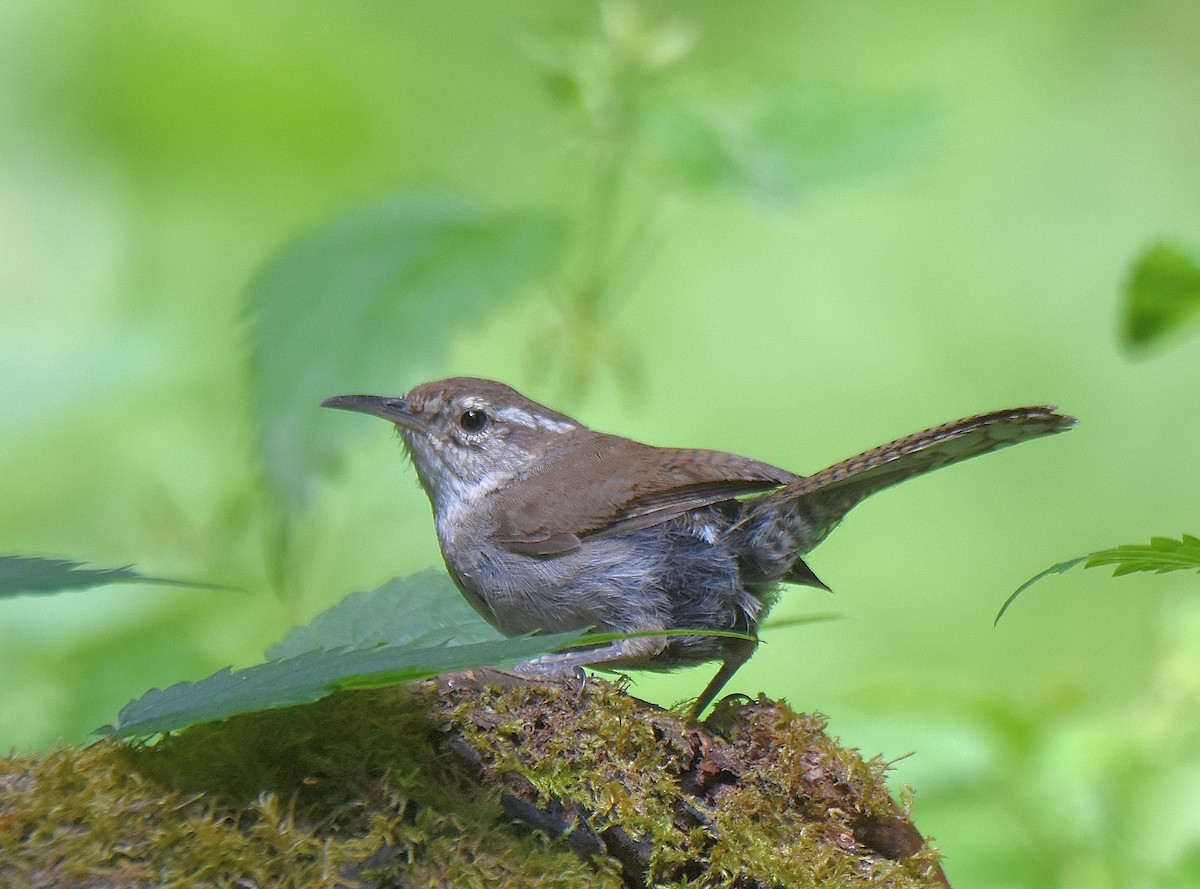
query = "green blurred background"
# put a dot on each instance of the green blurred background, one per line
(154, 157)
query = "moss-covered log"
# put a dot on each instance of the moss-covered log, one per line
(477, 780)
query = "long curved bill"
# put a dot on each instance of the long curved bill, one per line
(394, 410)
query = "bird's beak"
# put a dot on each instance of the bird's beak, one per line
(394, 410)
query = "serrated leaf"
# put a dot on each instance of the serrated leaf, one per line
(33, 575)
(1161, 555)
(404, 630)
(1053, 569)
(426, 607)
(777, 144)
(370, 302)
(1162, 295)
(312, 675)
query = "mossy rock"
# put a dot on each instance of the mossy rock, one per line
(476, 780)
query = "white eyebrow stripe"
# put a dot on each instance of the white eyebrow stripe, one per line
(533, 421)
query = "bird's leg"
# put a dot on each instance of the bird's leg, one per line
(737, 653)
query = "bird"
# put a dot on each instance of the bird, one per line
(546, 525)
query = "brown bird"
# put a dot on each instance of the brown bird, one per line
(547, 525)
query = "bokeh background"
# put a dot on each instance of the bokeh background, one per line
(1014, 161)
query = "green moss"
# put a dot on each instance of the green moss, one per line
(309, 796)
(764, 796)
(465, 784)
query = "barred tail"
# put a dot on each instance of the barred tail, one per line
(803, 513)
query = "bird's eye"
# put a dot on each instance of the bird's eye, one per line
(473, 420)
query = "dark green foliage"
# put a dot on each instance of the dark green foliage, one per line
(414, 634)
(25, 575)
(1057, 568)
(1162, 296)
(314, 674)
(426, 608)
(407, 629)
(1160, 555)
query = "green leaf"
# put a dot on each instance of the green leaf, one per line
(1162, 295)
(426, 607)
(1161, 555)
(28, 575)
(370, 302)
(312, 675)
(1053, 569)
(778, 144)
(406, 629)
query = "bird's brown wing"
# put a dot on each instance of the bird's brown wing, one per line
(613, 486)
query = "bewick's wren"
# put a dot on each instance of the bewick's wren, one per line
(548, 525)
